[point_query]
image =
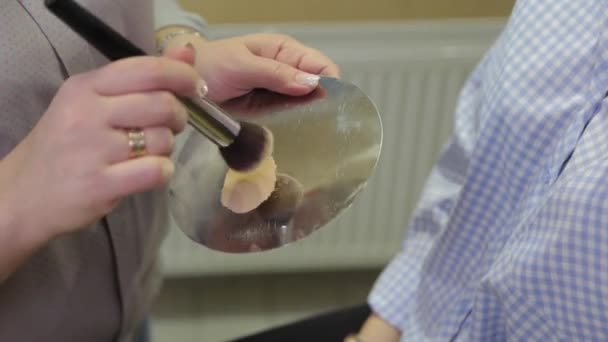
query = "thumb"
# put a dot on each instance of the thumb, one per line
(186, 53)
(261, 72)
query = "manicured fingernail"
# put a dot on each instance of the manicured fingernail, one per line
(190, 46)
(307, 79)
(202, 88)
(167, 169)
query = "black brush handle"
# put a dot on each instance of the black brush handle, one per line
(207, 117)
(97, 33)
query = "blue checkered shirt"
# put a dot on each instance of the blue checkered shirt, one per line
(510, 238)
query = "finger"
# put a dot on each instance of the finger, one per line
(136, 175)
(260, 72)
(159, 141)
(307, 59)
(141, 74)
(186, 54)
(317, 63)
(290, 51)
(156, 108)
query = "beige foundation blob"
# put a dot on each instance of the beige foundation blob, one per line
(245, 191)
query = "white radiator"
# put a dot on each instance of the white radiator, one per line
(414, 72)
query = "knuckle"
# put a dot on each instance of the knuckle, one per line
(164, 107)
(168, 105)
(188, 82)
(163, 142)
(282, 41)
(182, 118)
(169, 141)
(278, 68)
(156, 69)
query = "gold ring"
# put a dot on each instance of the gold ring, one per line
(137, 143)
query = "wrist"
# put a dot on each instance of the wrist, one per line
(177, 34)
(18, 225)
(17, 222)
(15, 227)
(20, 237)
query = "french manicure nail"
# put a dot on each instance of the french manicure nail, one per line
(190, 47)
(307, 79)
(202, 88)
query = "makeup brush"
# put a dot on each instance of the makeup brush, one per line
(242, 145)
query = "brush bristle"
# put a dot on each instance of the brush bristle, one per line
(251, 146)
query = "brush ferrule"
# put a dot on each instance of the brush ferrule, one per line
(211, 121)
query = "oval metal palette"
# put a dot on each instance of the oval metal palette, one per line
(326, 146)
